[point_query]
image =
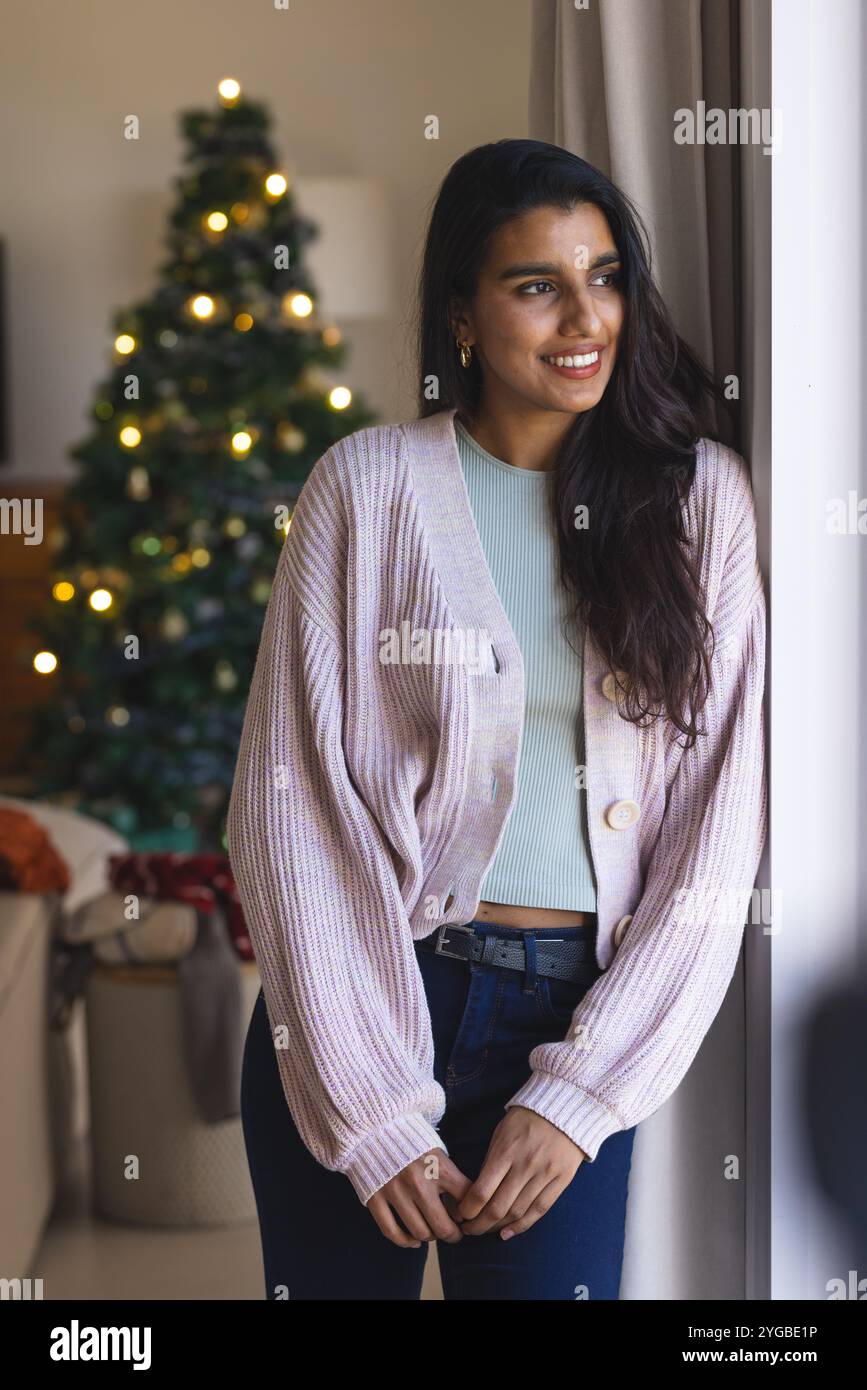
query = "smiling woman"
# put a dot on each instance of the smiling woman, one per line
(488, 901)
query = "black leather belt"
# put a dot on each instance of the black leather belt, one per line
(564, 958)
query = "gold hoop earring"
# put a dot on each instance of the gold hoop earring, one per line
(466, 352)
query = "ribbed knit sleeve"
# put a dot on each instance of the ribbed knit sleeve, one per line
(342, 987)
(637, 1030)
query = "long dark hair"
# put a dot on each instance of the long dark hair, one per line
(630, 459)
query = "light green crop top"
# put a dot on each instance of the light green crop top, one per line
(544, 856)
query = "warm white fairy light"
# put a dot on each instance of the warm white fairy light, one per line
(275, 185)
(202, 306)
(229, 91)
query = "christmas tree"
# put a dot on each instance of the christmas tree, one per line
(212, 414)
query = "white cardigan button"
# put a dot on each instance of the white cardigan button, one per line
(621, 814)
(620, 929)
(610, 682)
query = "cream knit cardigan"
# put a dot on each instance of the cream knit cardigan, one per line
(376, 772)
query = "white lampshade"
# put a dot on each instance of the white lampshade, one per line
(351, 260)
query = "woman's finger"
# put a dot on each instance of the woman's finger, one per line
(382, 1215)
(412, 1218)
(482, 1190)
(535, 1185)
(543, 1202)
(437, 1215)
(500, 1204)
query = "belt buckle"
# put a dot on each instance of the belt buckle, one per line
(442, 940)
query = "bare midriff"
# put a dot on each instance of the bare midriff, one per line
(530, 918)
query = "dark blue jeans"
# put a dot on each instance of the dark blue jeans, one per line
(319, 1242)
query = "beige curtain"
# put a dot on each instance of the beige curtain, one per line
(605, 82)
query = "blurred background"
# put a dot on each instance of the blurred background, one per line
(209, 240)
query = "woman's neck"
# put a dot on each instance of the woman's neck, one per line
(530, 442)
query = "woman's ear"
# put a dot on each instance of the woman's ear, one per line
(459, 325)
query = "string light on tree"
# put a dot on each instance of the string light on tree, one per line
(125, 343)
(229, 91)
(201, 306)
(290, 438)
(257, 216)
(275, 187)
(45, 663)
(138, 485)
(312, 379)
(63, 591)
(225, 676)
(174, 625)
(340, 397)
(130, 437)
(297, 305)
(242, 443)
(100, 600)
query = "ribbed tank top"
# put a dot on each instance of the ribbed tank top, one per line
(544, 856)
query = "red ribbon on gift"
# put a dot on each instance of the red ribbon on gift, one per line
(204, 881)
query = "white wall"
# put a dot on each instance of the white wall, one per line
(83, 210)
(817, 624)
